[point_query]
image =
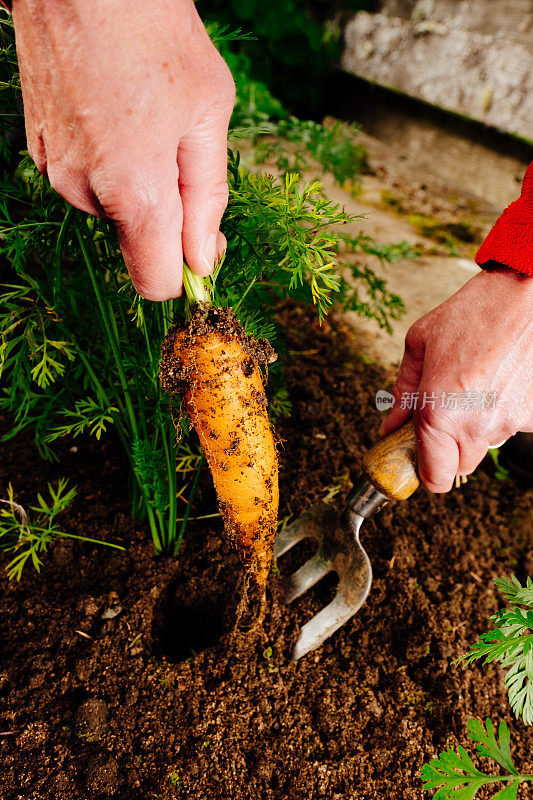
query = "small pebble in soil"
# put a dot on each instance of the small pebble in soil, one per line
(112, 608)
(110, 613)
(91, 719)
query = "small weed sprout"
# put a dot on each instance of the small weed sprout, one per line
(267, 655)
(29, 535)
(174, 777)
(500, 472)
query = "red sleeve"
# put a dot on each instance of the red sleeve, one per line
(510, 242)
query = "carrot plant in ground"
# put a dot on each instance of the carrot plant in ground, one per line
(27, 535)
(511, 643)
(455, 777)
(9, 89)
(294, 144)
(79, 349)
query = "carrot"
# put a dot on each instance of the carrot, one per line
(217, 370)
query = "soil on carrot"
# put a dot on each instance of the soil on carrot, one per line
(119, 673)
(205, 320)
(214, 367)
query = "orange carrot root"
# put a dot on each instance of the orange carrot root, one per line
(221, 385)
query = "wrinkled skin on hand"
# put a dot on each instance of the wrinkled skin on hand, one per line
(479, 340)
(127, 106)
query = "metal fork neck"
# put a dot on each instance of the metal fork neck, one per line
(365, 499)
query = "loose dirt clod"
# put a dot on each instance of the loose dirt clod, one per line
(91, 719)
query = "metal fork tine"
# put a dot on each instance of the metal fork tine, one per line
(339, 551)
(309, 573)
(390, 465)
(288, 538)
(323, 624)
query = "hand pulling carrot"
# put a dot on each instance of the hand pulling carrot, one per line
(214, 365)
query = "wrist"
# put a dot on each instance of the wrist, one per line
(497, 267)
(498, 278)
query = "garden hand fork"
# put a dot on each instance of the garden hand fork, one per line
(389, 473)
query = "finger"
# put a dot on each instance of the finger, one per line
(222, 245)
(32, 97)
(202, 162)
(437, 456)
(407, 382)
(471, 454)
(73, 185)
(147, 214)
(36, 149)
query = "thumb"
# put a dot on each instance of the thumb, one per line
(407, 383)
(202, 162)
(147, 217)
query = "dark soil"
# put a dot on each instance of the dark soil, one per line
(161, 701)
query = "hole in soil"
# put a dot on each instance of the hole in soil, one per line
(189, 621)
(72, 699)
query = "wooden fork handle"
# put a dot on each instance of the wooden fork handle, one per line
(391, 464)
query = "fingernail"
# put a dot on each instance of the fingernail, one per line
(210, 252)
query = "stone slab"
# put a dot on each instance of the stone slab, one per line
(479, 75)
